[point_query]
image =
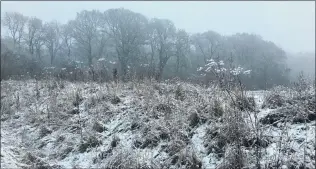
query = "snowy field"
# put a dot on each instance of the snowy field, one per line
(148, 125)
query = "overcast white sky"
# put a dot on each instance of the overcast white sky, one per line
(291, 25)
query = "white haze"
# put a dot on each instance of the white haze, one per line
(290, 25)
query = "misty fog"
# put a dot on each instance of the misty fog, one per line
(152, 85)
(290, 25)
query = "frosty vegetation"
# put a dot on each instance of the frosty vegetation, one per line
(115, 89)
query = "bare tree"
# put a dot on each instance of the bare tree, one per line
(67, 38)
(15, 23)
(34, 26)
(164, 33)
(127, 29)
(86, 30)
(151, 42)
(52, 35)
(182, 48)
(39, 43)
(208, 44)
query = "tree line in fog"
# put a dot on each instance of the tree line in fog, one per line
(99, 45)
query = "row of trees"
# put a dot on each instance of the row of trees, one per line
(136, 45)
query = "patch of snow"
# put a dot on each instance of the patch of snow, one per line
(101, 59)
(208, 161)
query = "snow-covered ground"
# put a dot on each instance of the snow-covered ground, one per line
(147, 126)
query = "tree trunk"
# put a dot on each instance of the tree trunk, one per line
(69, 52)
(31, 48)
(152, 67)
(124, 70)
(51, 57)
(160, 71)
(90, 61)
(122, 56)
(178, 64)
(38, 53)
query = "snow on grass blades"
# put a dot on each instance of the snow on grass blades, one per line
(150, 126)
